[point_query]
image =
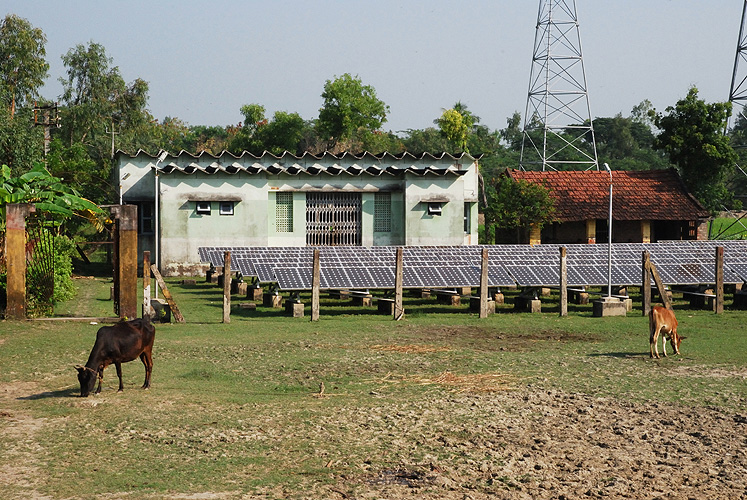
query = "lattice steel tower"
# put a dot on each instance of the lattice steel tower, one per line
(738, 91)
(558, 128)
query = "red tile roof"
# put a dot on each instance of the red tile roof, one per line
(636, 195)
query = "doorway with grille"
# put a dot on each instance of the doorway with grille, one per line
(333, 219)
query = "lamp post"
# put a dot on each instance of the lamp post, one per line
(609, 240)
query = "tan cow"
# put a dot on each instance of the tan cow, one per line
(662, 321)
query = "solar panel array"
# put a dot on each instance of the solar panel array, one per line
(290, 268)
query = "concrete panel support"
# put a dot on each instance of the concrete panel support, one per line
(15, 254)
(126, 227)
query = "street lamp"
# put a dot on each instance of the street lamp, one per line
(609, 240)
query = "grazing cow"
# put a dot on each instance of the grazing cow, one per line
(662, 321)
(118, 344)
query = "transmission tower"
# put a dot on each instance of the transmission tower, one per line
(558, 129)
(738, 91)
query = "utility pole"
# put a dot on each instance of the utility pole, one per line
(46, 116)
(557, 120)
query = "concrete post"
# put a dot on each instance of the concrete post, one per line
(315, 283)
(563, 282)
(719, 305)
(399, 310)
(227, 287)
(146, 285)
(126, 216)
(484, 284)
(15, 255)
(646, 283)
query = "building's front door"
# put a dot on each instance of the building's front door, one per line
(333, 219)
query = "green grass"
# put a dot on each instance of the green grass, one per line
(233, 408)
(728, 228)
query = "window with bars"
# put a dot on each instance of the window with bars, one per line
(383, 212)
(284, 212)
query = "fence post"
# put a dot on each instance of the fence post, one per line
(719, 306)
(399, 311)
(146, 284)
(15, 255)
(484, 284)
(563, 282)
(227, 287)
(315, 283)
(126, 258)
(646, 283)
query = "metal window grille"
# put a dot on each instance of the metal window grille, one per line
(333, 219)
(383, 212)
(284, 212)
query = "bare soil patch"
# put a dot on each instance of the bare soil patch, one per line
(539, 444)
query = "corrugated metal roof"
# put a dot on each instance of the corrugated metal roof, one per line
(636, 195)
(309, 164)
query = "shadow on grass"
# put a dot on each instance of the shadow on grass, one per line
(63, 393)
(620, 355)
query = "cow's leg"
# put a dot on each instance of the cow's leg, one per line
(147, 360)
(653, 341)
(100, 375)
(664, 343)
(119, 374)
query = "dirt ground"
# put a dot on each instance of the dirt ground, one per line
(538, 444)
(527, 444)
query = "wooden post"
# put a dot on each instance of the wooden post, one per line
(563, 282)
(146, 285)
(167, 295)
(15, 255)
(226, 287)
(126, 268)
(399, 311)
(484, 284)
(315, 283)
(646, 283)
(660, 285)
(719, 306)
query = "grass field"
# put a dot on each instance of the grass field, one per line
(729, 228)
(235, 410)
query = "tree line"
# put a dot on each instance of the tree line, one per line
(99, 113)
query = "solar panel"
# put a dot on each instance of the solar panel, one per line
(678, 262)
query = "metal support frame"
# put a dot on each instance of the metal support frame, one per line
(558, 118)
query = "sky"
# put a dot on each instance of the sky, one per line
(204, 60)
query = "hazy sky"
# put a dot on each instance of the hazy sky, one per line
(205, 59)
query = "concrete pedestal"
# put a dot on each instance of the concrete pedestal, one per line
(527, 304)
(740, 299)
(498, 298)
(239, 287)
(609, 306)
(385, 306)
(272, 300)
(474, 305)
(254, 293)
(294, 309)
(362, 300)
(447, 298)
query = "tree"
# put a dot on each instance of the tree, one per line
(349, 106)
(101, 108)
(692, 135)
(23, 65)
(455, 128)
(517, 205)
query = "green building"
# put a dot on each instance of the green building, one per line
(186, 201)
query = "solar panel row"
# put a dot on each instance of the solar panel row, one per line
(678, 263)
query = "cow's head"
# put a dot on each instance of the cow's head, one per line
(87, 378)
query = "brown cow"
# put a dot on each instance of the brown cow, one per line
(119, 343)
(662, 321)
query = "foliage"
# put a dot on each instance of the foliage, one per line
(23, 66)
(64, 251)
(692, 135)
(99, 107)
(46, 192)
(285, 132)
(20, 141)
(349, 106)
(455, 128)
(517, 205)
